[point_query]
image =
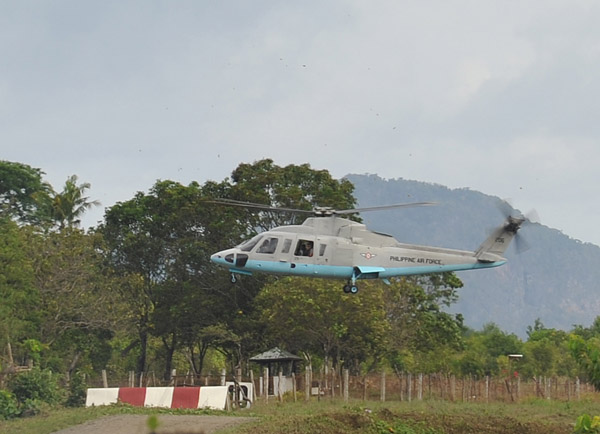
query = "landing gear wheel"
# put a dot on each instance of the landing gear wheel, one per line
(354, 289)
(347, 289)
(233, 278)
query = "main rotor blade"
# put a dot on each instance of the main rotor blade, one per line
(383, 207)
(232, 202)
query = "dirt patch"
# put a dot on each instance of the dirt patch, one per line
(168, 424)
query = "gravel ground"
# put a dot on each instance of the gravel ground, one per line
(168, 424)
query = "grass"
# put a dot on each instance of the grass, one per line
(356, 416)
(423, 417)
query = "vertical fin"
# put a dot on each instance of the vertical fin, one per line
(496, 244)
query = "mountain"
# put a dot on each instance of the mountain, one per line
(557, 279)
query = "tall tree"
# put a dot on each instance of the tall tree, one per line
(313, 315)
(161, 244)
(418, 324)
(292, 186)
(24, 196)
(76, 296)
(19, 300)
(70, 204)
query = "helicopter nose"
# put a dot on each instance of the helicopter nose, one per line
(217, 258)
(224, 257)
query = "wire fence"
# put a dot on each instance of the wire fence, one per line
(381, 386)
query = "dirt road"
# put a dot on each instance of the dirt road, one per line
(168, 424)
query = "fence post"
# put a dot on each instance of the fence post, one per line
(382, 395)
(279, 386)
(307, 383)
(577, 389)
(294, 385)
(238, 387)
(253, 385)
(333, 383)
(266, 383)
(420, 389)
(223, 376)
(346, 385)
(409, 391)
(104, 379)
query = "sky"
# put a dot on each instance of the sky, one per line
(498, 96)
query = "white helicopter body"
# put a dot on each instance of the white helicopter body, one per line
(335, 247)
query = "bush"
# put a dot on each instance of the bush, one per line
(35, 385)
(77, 391)
(9, 407)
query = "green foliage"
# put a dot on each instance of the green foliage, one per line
(69, 205)
(35, 385)
(77, 391)
(9, 407)
(292, 186)
(305, 314)
(587, 355)
(586, 424)
(417, 323)
(24, 197)
(19, 309)
(486, 351)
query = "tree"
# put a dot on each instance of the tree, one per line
(292, 186)
(418, 325)
(486, 349)
(160, 243)
(69, 205)
(24, 196)
(78, 306)
(19, 306)
(587, 355)
(313, 315)
(546, 352)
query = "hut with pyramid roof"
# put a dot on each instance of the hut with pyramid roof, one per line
(278, 360)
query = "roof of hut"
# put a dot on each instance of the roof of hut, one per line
(274, 355)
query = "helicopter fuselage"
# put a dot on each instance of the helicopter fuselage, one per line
(334, 247)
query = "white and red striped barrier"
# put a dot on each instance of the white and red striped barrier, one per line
(214, 397)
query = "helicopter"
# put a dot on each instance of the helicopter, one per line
(327, 245)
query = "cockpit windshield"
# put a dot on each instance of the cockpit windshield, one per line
(248, 245)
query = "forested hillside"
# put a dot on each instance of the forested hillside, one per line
(555, 279)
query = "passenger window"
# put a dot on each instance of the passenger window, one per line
(304, 248)
(322, 248)
(269, 245)
(287, 245)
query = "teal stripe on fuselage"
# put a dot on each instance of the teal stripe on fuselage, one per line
(345, 272)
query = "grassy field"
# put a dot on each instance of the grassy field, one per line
(425, 417)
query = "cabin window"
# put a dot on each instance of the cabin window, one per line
(269, 245)
(287, 245)
(246, 246)
(322, 248)
(304, 248)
